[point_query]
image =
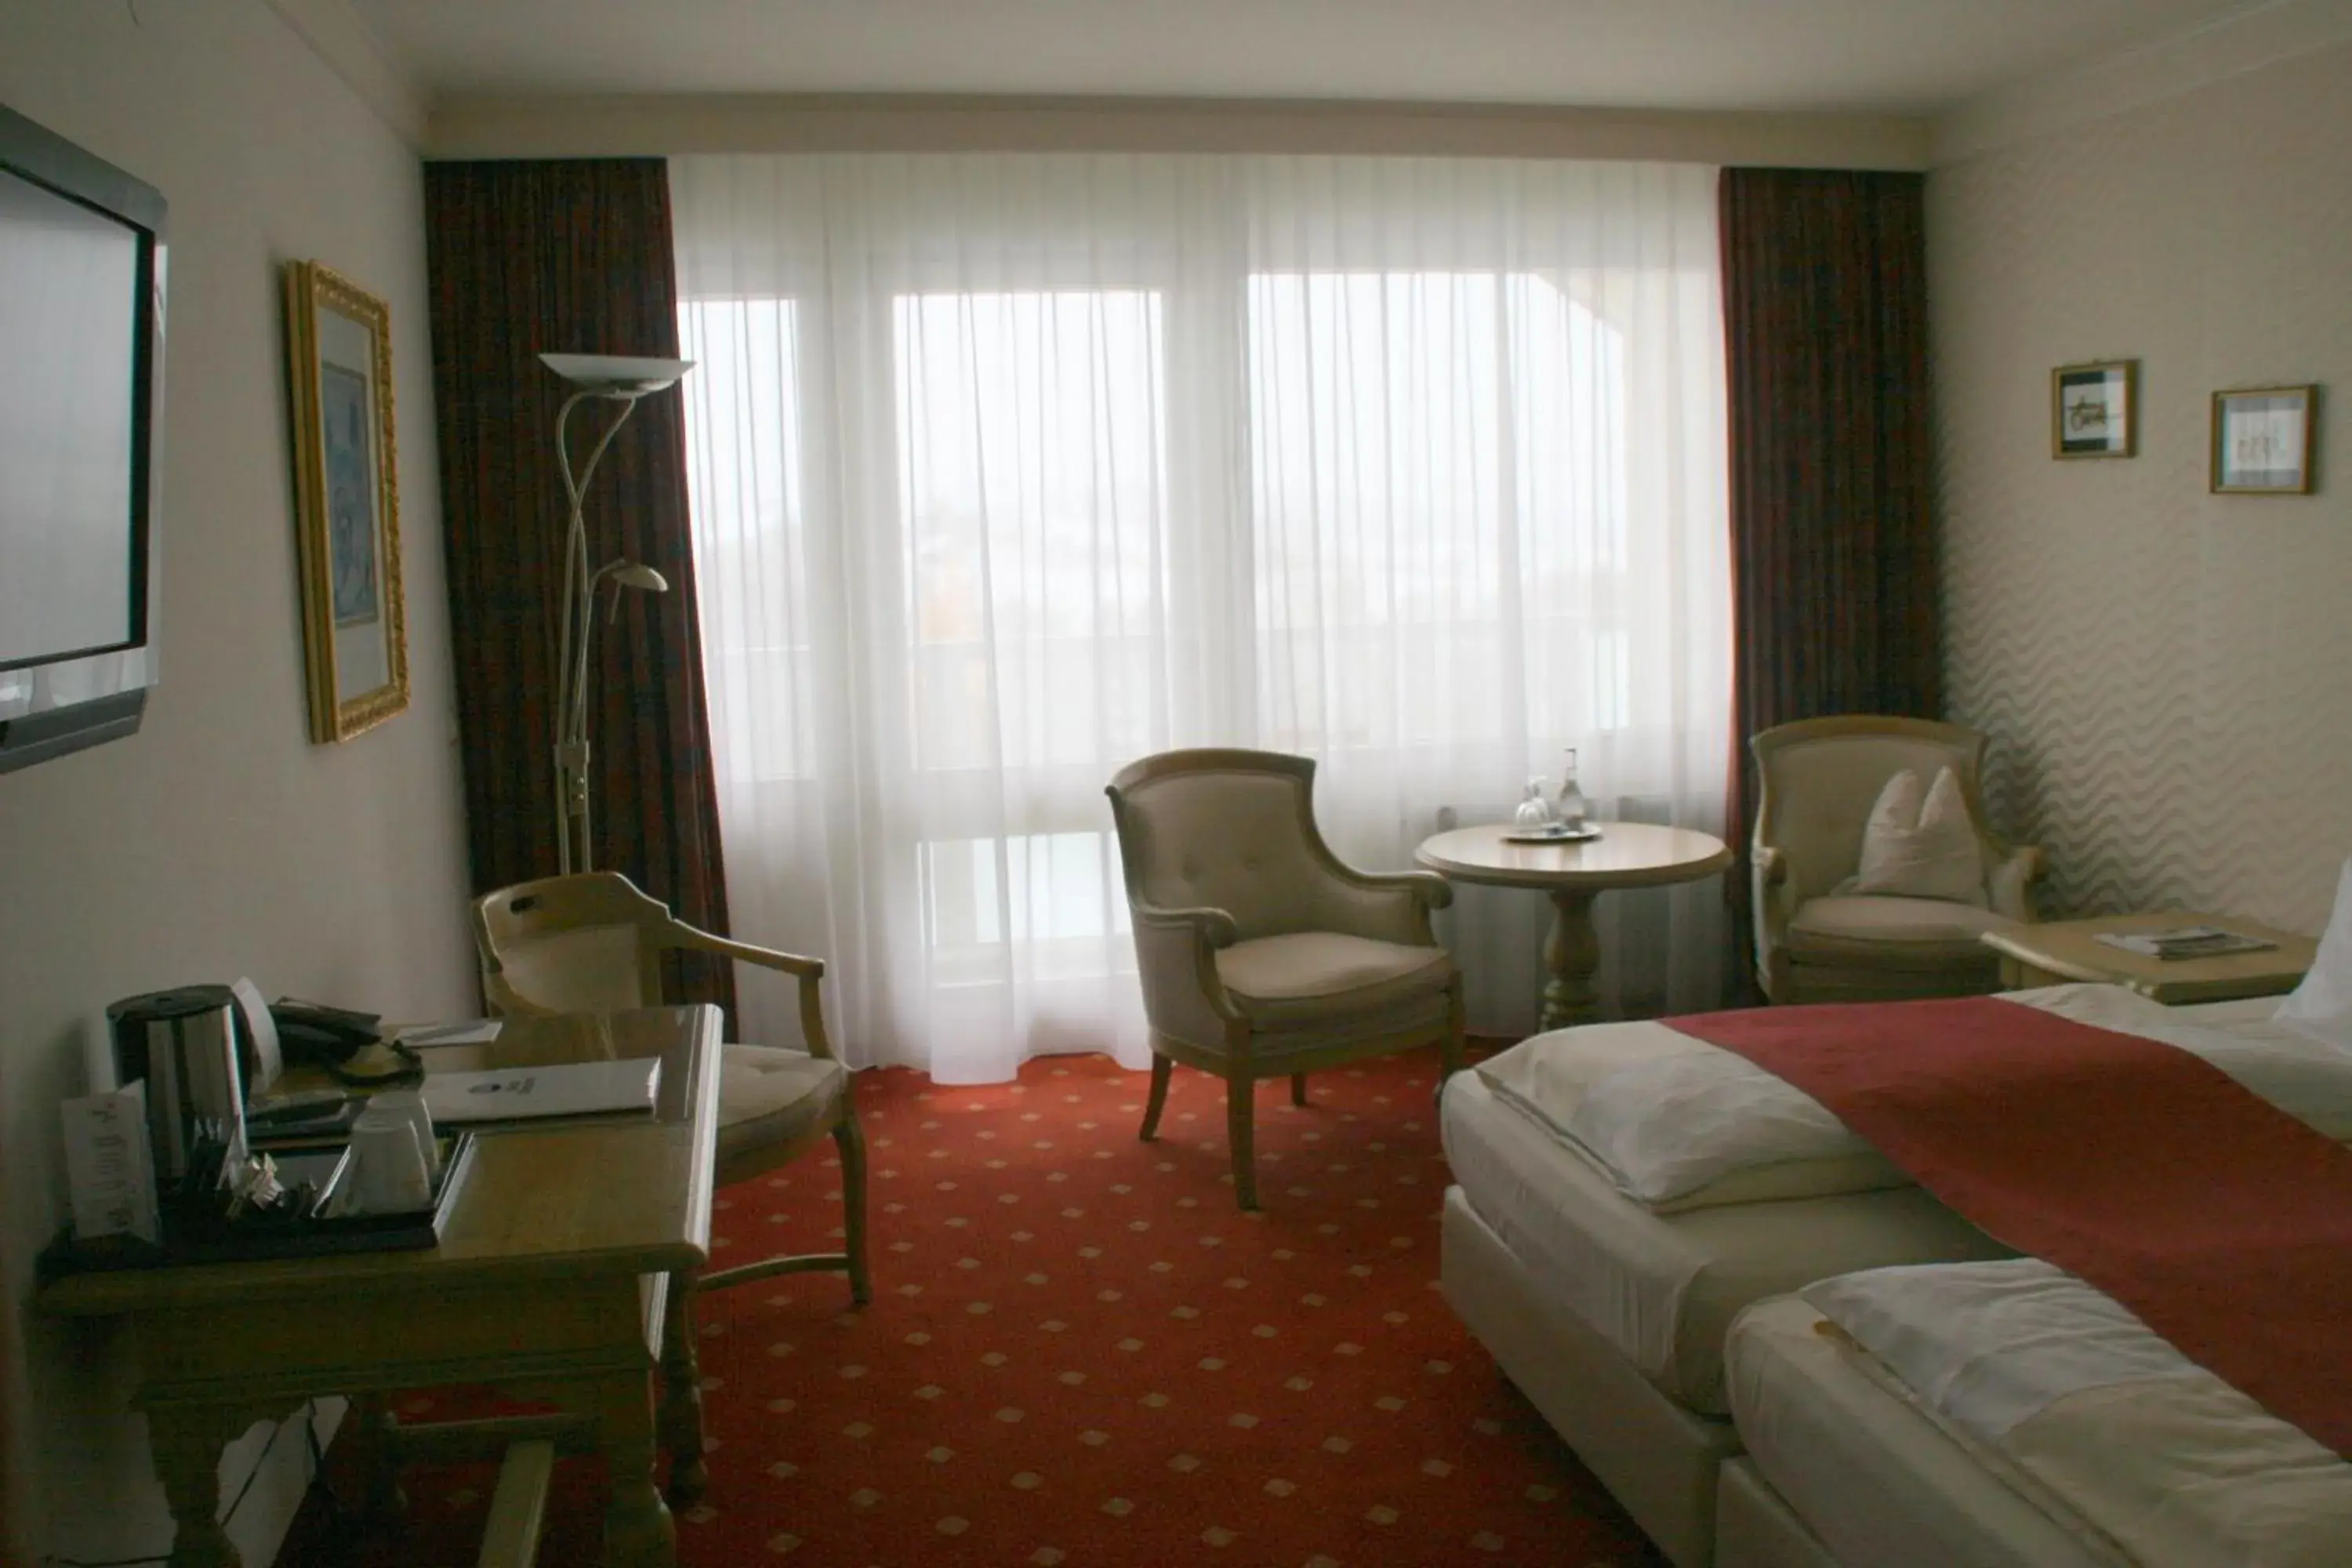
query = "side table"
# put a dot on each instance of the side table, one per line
(1626, 855)
(2059, 951)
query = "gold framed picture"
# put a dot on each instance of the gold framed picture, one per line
(2093, 409)
(347, 501)
(2261, 441)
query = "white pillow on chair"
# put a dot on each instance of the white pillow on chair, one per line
(1916, 849)
(2321, 1006)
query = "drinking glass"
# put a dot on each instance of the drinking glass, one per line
(1534, 811)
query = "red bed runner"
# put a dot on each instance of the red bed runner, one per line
(2222, 1222)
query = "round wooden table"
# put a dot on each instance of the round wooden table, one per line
(1626, 855)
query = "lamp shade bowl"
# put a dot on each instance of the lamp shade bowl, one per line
(636, 575)
(617, 376)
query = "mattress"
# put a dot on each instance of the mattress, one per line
(1662, 1289)
(1876, 1480)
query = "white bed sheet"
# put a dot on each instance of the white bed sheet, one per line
(1663, 1288)
(2062, 1392)
(1874, 1479)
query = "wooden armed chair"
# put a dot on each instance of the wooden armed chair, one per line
(593, 942)
(1262, 955)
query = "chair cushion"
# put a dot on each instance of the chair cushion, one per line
(1302, 977)
(770, 1097)
(1906, 933)
(1415, 1020)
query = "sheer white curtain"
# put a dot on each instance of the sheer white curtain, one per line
(1007, 470)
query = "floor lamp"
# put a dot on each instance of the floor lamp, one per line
(612, 379)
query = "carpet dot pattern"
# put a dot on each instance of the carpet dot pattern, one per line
(1080, 1353)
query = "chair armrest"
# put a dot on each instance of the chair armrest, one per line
(1176, 959)
(2013, 881)
(1434, 891)
(684, 935)
(807, 970)
(1215, 927)
(1776, 893)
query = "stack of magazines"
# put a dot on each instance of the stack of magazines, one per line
(2184, 942)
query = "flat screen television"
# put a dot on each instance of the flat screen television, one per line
(81, 374)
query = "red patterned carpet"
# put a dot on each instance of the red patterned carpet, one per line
(1080, 1353)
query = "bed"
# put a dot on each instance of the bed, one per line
(1972, 1414)
(1602, 1262)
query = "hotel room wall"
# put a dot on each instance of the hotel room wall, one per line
(2167, 673)
(218, 840)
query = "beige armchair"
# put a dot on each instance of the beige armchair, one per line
(1262, 955)
(593, 942)
(1816, 941)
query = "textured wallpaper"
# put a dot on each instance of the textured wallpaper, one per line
(2167, 673)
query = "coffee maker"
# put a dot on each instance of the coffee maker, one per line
(183, 1045)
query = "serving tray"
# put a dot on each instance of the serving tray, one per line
(243, 1241)
(1583, 834)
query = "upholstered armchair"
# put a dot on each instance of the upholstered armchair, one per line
(1262, 955)
(593, 942)
(1818, 938)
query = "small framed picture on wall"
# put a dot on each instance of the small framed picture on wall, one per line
(2093, 409)
(2261, 441)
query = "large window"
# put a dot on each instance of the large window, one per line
(745, 482)
(1438, 509)
(1032, 504)
(1010, 471)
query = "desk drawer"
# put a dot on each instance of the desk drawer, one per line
(557, 1329)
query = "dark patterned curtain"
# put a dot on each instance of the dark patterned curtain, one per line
(1833, 545)
(572, 256)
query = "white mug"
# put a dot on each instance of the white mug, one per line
(388, 1173)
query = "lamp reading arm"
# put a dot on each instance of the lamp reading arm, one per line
(571, 655)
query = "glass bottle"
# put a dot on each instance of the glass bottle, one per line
(1568, 807)
(1534, 811)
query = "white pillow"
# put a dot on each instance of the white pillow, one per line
(2321, 1006)
(1922, 850)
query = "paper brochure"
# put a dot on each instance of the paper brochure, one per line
(570, 1089)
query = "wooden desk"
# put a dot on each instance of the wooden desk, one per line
(2059, 951)
(1626, 855)
(564, 1272)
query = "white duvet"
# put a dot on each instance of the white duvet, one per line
(1677, 1123)
(2147, 1457)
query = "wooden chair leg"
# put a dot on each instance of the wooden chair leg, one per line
(374, 1431)
(1160, 1067)
(1450, 1050)
(1241, 1103)
(519, 1506)
(850, 1139)
(1298, 1089)
(678, 1418)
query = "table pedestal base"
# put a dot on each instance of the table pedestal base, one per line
(1572, 952)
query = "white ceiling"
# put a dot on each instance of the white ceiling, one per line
(1887, 56)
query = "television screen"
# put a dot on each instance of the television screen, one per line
(81, 365)
(69, 316)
